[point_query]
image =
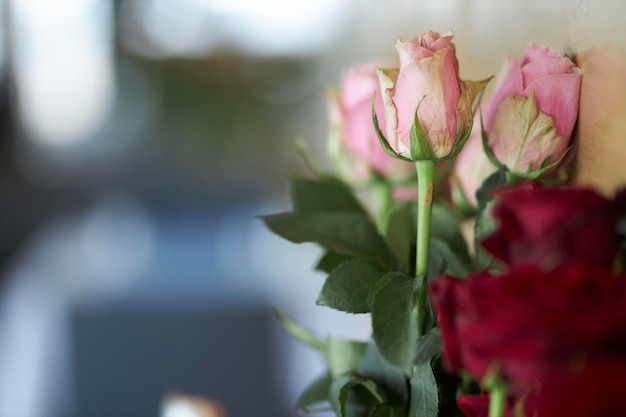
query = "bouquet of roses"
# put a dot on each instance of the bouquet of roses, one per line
(495, 286)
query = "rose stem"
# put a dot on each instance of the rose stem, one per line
(497, 400)
(425, 186)
(384, 202)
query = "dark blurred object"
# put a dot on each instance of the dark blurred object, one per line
(126, 359)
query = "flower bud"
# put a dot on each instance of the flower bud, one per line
(427, 105)
(471, 169)
(354, 144)
(533, 111)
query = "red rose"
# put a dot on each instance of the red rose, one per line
(478, 406)
(529, 321)
(552, 226)
(588, 389)
(474, 405)
(594, 390)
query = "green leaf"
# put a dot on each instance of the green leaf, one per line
(351, 286)
(401, 235)
(386, 410)
(322, 195)
(487, 149)
(346, 233)
(331, 260)
(424, 394)
(428, 346)
(484, 222)
(495, 180)
(421, 149)
(315, 393)
(385, 375)
(301, 334)
(395, 329)
(352, 396)
(344, 356)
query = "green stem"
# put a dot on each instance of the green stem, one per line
(425, 188)
(497, 400)
(498, 391)
(384, 205)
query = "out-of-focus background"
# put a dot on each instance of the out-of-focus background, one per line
(138, 141)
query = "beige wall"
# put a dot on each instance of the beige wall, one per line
(598, 34)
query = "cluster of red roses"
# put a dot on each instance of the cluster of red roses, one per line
(552, 323)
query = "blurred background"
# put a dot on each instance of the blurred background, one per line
(138, 141)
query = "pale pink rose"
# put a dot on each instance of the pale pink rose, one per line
(350, 114)
(402, 194)
(471, 168)
(523, 133)
(429, 77)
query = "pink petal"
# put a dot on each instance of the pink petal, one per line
(410, 52)
(520, 143)
(543, 67)
(387, 79)
(508, 82)
(433, 82)
(535, 52)
(444, 41)
(358, 84)
(558, 96)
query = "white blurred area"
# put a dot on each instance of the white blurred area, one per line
(63, 64)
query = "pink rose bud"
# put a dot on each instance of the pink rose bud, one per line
(428, 83)
(533, 110)
(354, 144)
(471, 168)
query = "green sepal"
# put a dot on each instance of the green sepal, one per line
(344, 356)
(365, 392)
(462, 136)
(381, 137)
(484, 223)
(316, 393)
(545, 167)
(303, 150)
(486, 148)
(389, 377)
(420, 145)
(301, 334)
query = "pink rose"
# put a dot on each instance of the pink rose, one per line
(533, 109)
(429, 78)
(471, 168)
(354, 143)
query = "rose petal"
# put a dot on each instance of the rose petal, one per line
(433, 82)
(508, 82)
(387, 79)
(535, 52)
(523, 141)
(558, 96)
(543, 67)
(410, 52)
